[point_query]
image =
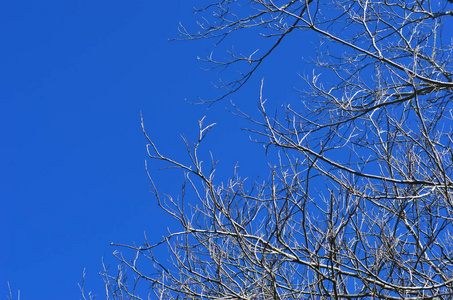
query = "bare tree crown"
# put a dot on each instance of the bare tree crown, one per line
(360, 204)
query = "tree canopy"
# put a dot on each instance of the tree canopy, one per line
(360, 203)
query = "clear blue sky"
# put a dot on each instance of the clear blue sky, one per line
(74, 76)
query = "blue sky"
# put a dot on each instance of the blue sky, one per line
(74, 77)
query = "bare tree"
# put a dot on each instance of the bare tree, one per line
(360, 203)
